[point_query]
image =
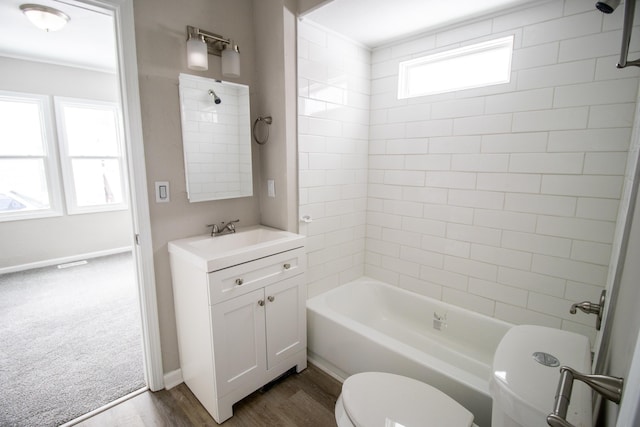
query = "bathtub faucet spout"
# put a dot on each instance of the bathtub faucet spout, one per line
(439, 321)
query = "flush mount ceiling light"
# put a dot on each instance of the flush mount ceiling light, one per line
(44, 17)
(200, 43)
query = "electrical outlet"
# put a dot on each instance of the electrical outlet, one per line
(271, 188)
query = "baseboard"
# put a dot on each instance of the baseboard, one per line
(172, 379)
(325, 367)
(63, 260)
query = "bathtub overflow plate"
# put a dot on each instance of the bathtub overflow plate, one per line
(546, 359)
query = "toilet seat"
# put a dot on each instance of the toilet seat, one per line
(372, 399)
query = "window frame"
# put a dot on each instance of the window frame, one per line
(66, 159)
(49, 158)
(404, 67)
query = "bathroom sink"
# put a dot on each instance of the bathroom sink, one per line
(246, 244)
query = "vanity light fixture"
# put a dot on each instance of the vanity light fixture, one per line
(201, 42)
(44, 17)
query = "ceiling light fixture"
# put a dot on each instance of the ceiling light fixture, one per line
(44, 17)
(200, 43)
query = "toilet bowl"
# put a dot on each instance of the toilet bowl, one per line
(382, 399)
(525, 377)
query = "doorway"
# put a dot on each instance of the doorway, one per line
(124, 87)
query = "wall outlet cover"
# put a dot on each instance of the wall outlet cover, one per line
(271, 188)
(162, 192)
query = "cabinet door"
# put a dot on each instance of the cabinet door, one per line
(239, 341)
(286, 320)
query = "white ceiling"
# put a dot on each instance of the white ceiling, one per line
(375, 22)
(87, 41)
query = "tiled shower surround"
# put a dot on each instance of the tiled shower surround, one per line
(502, 199)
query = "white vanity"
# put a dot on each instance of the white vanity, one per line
(240, 312)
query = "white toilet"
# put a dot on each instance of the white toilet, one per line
(526, 371)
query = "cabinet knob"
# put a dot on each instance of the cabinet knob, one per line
(271, 298)
(287, 266)
(261, 302)
(239, 282)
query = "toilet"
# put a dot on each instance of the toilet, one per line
(526, 371)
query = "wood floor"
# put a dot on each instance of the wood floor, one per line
(304, 399)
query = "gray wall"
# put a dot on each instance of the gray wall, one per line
(36, 240)
(274, 23)
(160, 42)
(307, 6)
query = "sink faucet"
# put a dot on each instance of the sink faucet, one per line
(223, 228)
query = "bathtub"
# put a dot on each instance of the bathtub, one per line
(367, 325)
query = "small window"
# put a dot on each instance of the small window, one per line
(478, 65)
(28, 184)
(91, 155)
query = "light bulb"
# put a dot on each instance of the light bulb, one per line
(197, 54)
(231, 61)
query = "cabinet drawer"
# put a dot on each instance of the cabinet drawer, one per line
(240, 279)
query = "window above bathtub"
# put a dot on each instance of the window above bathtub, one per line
(483, 64)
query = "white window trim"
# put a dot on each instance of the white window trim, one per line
(65, 159)
(50, 160)
(404, 91)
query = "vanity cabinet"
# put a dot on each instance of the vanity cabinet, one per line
(239, 327)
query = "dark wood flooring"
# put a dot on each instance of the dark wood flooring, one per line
(304, 399)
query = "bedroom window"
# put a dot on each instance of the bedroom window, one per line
(91, 155)
(28, 173)
(468, 67)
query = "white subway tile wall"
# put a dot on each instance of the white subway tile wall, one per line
(334, 91)
(500, 199)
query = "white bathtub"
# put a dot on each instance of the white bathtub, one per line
(367, 325)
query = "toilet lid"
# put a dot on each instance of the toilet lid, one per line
(374, 399)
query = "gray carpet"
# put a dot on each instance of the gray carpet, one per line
(70, 341)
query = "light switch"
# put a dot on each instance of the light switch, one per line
(162, 192)
(271, 188)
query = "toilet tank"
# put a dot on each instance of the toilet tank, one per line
(525, 375)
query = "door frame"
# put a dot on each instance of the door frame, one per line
(619, 249)
(127, 71)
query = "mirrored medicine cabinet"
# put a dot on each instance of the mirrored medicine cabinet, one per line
(216, 138)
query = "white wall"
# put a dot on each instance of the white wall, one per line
(333, 109)
(36, 240)
(503, 199)
(626, 319)
(623, 319)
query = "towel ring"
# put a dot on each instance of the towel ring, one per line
(267, 120)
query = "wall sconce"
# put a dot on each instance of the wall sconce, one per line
(44, 17)
(200, 43)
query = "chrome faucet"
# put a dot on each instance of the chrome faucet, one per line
(439, 321)
(223, 228)
(591, 308)
(586, 307)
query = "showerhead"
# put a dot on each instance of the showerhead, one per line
(607, 6)
(215, 97)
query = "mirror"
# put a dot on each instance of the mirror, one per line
(216, 138)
